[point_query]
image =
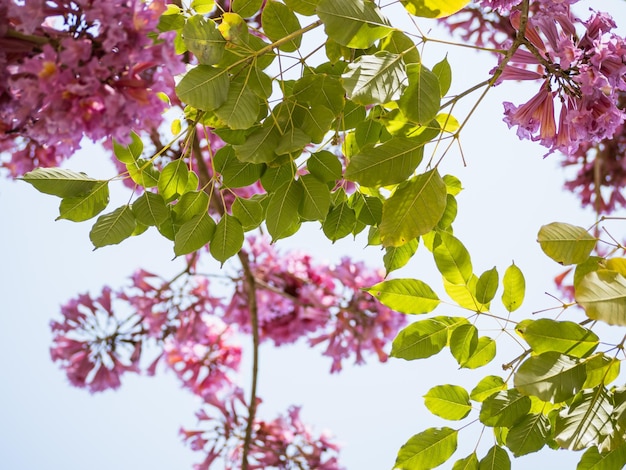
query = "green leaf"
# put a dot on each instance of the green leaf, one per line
(602, 294)
(486, 387)
(391, 162)
(320, 89)
(227, 239)
(427, 449)
(85, 206)
(420, 101)
(444, 75)
(514, 288)
(112, 228)
(504, 408)
(463, 343)
(282, 211)
(406, 295)
(369, 210)
(496, 459)
(249, 212)
(398, 256)
(339, 222)
(173, 179)
(449, 215)
(194, 234)
(316, 198)
(565, 337)
(487, 286)
(150, 209)
(203, 6)
(550, 377)
(375, 79)
(143, 173)
(303, 7)
(414, 209)
(592, 459)
(128, 153)
(279, 22)
(601, 370)
(399, 43)
(60, 182)
(483, 354)
(202, 39)
(463, 294)
(317, 122)
(275, 177)
(293, 140)
(241, 108)
(191, 204)
(236, 174)
(448, 402)
(434, 8)
(246, 8)
(260, 145)
(468, 463)
(529, 435)
(357, 24)
(171, 19)
(204, 87)
(586, 422)
(452, 259)
(420, 340)
(565, 243)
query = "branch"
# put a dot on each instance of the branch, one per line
(250, 283)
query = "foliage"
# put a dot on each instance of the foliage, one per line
(322, 111)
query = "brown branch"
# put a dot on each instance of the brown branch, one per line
(250, 283)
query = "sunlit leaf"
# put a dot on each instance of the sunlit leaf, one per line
(586, 422)
(203, 39)
(601, 370)
(483, 354)
(85, 206)
(339, 222)
(463, 343)
(113, 228)
(550, 376)
(602, 294)
(468, 463)
(398, 256)
(60, 182)
(353, 23)
(249, 212)
(529, 435)
(279, 22)
(173, 179)
(514, 288)
(235, 173)
(487, 286)
(304, 7)
(444, 74)
(406, 295)
(427, 449)
(496, 459)
(204, 87)
(131, 152)
(420, 340)
(448, 402)
(143, 173)
(452, 259)
(375, 79)
(399, 43)
(421, 99)
(246, 8)
(504, 408)
(565, 243)
(191, 204)
(414, 209)
(561, 336)
(592, 459)
(434, 8)
(241, 108)
(486, 387)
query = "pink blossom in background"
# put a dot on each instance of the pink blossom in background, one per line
(66, 75)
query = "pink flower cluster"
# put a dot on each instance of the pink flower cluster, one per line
(78, 68)
(284, 443)
(183, 326)
(583, 72)
(297, 298)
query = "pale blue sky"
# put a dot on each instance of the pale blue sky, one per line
(510, 191)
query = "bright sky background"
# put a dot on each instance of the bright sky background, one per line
(510, 191)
